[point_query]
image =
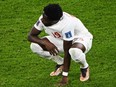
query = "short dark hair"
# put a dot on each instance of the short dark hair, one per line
(53, 11)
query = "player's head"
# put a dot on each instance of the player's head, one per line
(53, 12)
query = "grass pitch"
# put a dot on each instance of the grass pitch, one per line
(19, 67)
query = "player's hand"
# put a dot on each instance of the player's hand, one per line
(64, 81)
(50, 47)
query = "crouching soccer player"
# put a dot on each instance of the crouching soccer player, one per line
(67, 34)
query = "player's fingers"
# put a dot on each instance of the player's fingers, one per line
(50, 52)
(53, 53)
(56, 49)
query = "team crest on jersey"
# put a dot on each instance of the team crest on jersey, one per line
(68, 34)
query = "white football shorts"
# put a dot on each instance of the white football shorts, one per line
(86, 41)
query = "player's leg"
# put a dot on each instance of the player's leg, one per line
(59, 44)
(42, 52)
(39, 50)
(77, 52)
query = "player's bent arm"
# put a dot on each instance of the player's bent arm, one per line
(33, 36)
(44, 43)
(67, 59)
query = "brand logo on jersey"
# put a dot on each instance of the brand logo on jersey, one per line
(68, 34)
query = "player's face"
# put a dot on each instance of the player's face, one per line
(48, 22)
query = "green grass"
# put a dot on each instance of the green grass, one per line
(19, 67)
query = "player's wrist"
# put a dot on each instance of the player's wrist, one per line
(64, 73)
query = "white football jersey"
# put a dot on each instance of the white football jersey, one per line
(67, 28)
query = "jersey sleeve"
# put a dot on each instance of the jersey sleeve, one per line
(38, 25)
(68, 33)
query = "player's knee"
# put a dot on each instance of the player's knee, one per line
(38, 50)
(35, 47)
(75, 53)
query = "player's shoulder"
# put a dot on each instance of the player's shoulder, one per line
(69, 17)
(66, 18)
(66, 14)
